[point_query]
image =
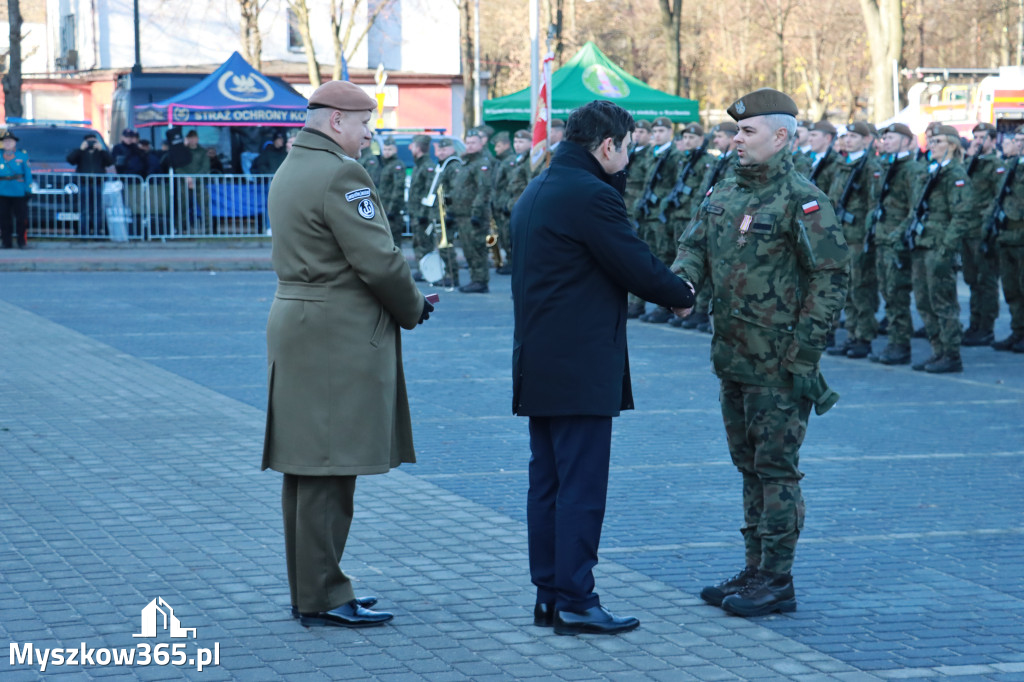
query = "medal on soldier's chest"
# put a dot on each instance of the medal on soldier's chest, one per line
(744, 228)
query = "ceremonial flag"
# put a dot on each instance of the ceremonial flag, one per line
(538, 152)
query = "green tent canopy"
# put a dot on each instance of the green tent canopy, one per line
(589, 76)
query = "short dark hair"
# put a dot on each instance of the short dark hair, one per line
(589, 125)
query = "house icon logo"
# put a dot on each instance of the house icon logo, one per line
(170, 621)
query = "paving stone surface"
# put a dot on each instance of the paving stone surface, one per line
(131, 422)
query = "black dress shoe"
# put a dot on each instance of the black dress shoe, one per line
(544, 615)
(350, 615)
(365, 602)
(475, 288)
(766, 593)
(594, 621)
(714, 594)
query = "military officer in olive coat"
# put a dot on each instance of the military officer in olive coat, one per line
(337, 405)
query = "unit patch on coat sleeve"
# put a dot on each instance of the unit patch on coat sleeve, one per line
(959, 183)
(357, 194)
(810, 207)
(366, 209)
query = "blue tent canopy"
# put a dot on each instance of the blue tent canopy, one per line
(234, 95)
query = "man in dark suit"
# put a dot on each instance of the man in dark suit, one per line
(579, 259)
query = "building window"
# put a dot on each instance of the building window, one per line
(294, 35)
(68, 58)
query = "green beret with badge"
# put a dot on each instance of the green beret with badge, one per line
(763, 102)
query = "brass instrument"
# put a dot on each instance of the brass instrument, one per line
(444, 243)
(492, 243)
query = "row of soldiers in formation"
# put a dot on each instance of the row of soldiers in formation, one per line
(478, 189)
(911, 217)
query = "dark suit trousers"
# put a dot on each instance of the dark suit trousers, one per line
(565, 506)
(317, 516)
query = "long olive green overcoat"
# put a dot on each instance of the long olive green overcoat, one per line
(337, 403)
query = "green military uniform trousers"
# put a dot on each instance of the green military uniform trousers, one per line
(473, 240)
(503, 224)
(317, 513)
(894, 273)
(1011, 268)
(764, 428)
(862, 296)
(934, 282)
(981, 273)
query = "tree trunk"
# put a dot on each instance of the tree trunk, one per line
(252, 41)
(671, 21)
(883, 20)
(12, 79)
(466, 24)
(301, 11)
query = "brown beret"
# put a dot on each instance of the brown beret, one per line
(502, 137)
(946, 130)
(931, 126)
(824, 126)
(662, 122)
(861, 128)
(389, 141)
(557, 123)
(342, 95)
(422, 141)
(726, 127)
(694, 129)
(899, 129)
(762, 102)
(984, 128)
(523, 135)
(475, 132)
(486, 131)
(644, 123)
(445, 142)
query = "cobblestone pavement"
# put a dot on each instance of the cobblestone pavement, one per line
(131, 422)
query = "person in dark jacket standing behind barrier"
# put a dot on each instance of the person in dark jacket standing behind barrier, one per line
(576, 258)
(90, 158)
(271, 156)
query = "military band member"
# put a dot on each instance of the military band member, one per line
(504, 165)
(420, 181)
(449, 167)
(1011, 243)
(392, 187)
(981, 265)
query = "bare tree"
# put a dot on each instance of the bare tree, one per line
(466, 31)
(883, 20)
(249, 32)
(671, 19)
(343, 28)
(301, 11)
(12, 79)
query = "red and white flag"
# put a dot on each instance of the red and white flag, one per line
(538, 152)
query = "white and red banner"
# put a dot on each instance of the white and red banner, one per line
(539, 151)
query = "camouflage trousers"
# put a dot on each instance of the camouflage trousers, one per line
(895, 271)
(1011, 269)
(862, 296)
(935, 294)
(422, 243)
(764, 428)
(472, 239)
(503, 223)
(981, 272)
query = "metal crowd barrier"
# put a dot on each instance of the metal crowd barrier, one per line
(131, 207)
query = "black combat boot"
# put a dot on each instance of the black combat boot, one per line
(676, 321)
(892, 355)
(859, 349)
(766, 593)
(978, 337)
(841, 348)
(948, 363)
(714, 594)
(658, 316)
(634, 310)
(919, 367)
(1009, 342)
(694, 320)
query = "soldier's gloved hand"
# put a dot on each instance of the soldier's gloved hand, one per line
(428, 308)
(802, 362)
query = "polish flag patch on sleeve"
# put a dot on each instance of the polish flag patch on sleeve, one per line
(810, 207)
(959, 183)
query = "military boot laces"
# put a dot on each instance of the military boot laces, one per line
(714, 594)
(766, 593)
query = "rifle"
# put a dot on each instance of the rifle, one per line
(820, 165)
(916, 226)
(879, 213)
(852, 183)
(719, 167)
(997, 219)
(650, 198)
(681, 187)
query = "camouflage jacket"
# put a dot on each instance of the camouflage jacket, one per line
(896, 191)
(775, 255)
(661, 176)
(368, 160)
(419, 187)
(468, 188)
(861, 199)
(519, 177)
(802, 163)
(821, 174)
(948, 216)
(1012, 233)
(391, 188)
(639, 163)
(713, 176)
(984, 184)
(504, 165)
(682, 200)
(448, 173)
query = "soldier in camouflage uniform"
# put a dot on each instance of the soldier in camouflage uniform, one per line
(640, 158)
(391, 189)
(521, 174)
(1011, 242)
(821, 137)
(504, 165)
(661, 176)
(419, 187)
(771, 246)
(981, 267)
(802, 148)
(946, 189)
(368, 160)
(856, 177)
(446, 176)
(470, 211)
(723, 136)
(901, 175)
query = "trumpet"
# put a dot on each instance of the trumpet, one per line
(444, 243)
(491, 240)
